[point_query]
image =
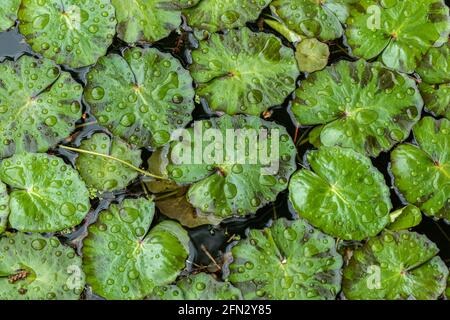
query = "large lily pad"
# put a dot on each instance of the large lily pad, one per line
(39, 105)
(243, 71)
(288, 261)
(401, 265)
(4, 207)
(365, 106)
(142, 96)
(344, 195)
(8, 14)
(36, 268)
(71, 32)
(124, 260)
(312, 18)
(401, 32)
(201, 286)
(422, 171)
(215, 15)
(233, 180)
(47, 195)
(105, 174)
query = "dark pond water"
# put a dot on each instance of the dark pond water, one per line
(215, 239)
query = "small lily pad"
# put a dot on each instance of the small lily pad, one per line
(364, 106)
(124, 260)
(422, 171)
(312, 55)
(39, 105)
(216, 15)
(393, 266)
(243, 71)
(405, 218)
(33, 267)
(400, 32)
(4, 207)
(142, 97)
(288, 261)
(106, 174)
(47, 195)
(436, 98)
(343, 194)
(8, 14)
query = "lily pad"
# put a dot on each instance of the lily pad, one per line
(436, 98)
(288, 261)
(124, 260)
(365, 106)
(39, 105)
(33, 267)
(227, 181)
(47, 194)
(243, 71)
(4, 207)
(400, 32)
(422, 171)
(71, 32)
(312, 55)
(142, 97)
(201, 287)
(216, 15)
(405, 218)
(313, 19)
(8, 14)
(393, 266)
(343, 194)
(105, 174)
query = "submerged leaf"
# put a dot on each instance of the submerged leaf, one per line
(8, 14)
(312, 55)
(405, 218)
(288, 261)
(123, 259)
(39, 105)
(365, 106)
(4, 207)
(243, 71)
(400, 265)
(344, 195)
(33, 267)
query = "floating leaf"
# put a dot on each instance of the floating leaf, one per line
(47, 194)
(226, 181)
(243, 71)
(280, 27)
(4, 207)
(436, 98)
(422, 172)
(39, 105)
(215, 15)
(288, 261)
(124, 260)
(312, 55)
(201, 286)
(142, 97)
(106, 174)
(365, 106)
(8, 14)
(400, 265)
(36, 268)
(314, 136)
(401, 32)
(344, 195)
(405, 218)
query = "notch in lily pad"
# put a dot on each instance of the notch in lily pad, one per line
(8, 14)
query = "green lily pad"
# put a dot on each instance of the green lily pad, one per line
(434, 68)
(234, 184)
(39, 105)
(365, 106)
(312, 55)
(33, 267)
(279, 26)
(288, 261)
(436, 98)
(422, 171)
(8, 14)
(105, 174)
(393, 266)
(124, 260)
(343, 194)
(405, 218)
(313, 19)
(400, 32)
(243, 71)
(447, 292)
(141, 97)
(201, 286)
(215, 15)
(314, 136)
(71, 32)
(47, 194)
(4, 207)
